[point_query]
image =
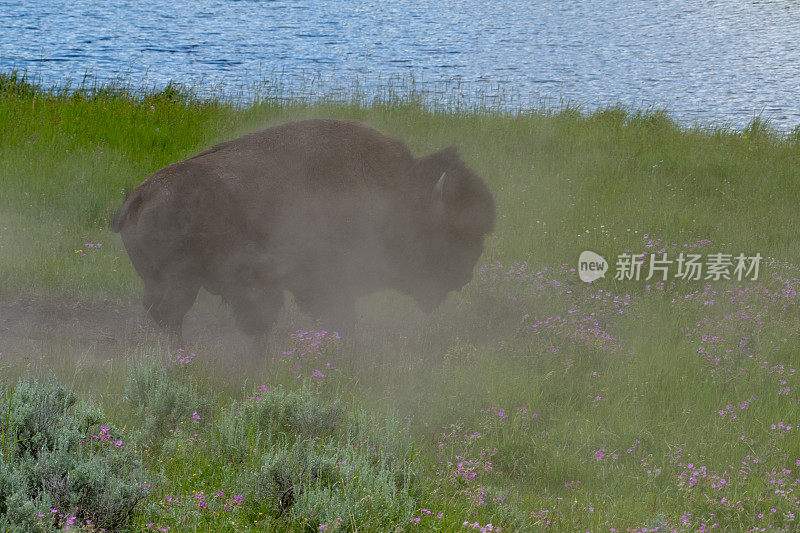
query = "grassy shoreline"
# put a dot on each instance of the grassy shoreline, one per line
(532, 400)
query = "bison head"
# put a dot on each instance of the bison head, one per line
(457, 212)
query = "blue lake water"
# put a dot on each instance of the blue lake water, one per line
(706, 62)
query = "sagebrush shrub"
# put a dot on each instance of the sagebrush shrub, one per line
(59, 466)
(335, 484)
(297, 413)
(286, 474)
(322, 465)
(164, 397)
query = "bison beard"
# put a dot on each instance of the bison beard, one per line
(329, 210)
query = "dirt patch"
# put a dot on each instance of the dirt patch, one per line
(26, 322)
(87, 321)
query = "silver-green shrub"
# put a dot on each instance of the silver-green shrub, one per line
(164, 396)
(320, 464)
(60, 465)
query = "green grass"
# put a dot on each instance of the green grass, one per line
(566, 426)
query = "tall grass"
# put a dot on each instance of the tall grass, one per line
(533, 401)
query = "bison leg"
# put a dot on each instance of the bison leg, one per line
(255, 310)
(168, 303)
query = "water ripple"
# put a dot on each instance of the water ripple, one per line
(709, 62)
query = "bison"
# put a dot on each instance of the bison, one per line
(328, 210)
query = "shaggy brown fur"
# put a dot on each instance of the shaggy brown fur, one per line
(327, 209)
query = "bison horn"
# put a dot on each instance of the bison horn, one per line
(438, 190)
